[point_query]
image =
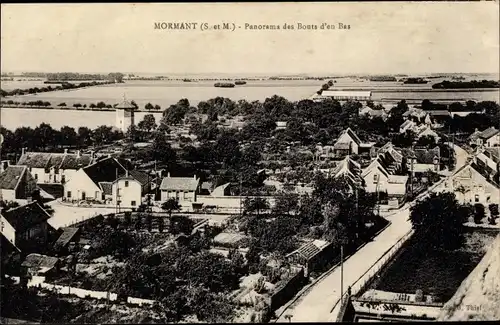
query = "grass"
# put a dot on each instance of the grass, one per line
(436, 272)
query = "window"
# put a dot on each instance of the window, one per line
(126, 183)
(375, 178)
(63, 179)
(488, 199)
(55, 179)
(177, 194)
(476, 198)
(56, 171)
(36, 176)
(68, 194)
(132, 203)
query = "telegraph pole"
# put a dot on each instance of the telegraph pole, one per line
(341, 271)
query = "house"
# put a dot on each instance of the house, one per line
(126, 191)
(378, 179)
(370, 112)
(222, 190)
(9, 253)
(422, 160)
(350, 170)
(415, 114)
(41, 265)
(425, 130)
(94, 182)
(16, 183)
(184, 189)
(69, 235)
(26, 226)
(470, 186)
(313, 255)
(487, 138)
(349, 143)
(407, 125)
(54, 168)
(487, 162)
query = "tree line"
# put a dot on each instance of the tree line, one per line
(62, 86)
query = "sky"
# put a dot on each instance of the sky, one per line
(384, 38)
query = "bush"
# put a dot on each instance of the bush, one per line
(493, 207)
(479, 213)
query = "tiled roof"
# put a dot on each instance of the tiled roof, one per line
(179, 183)
(106, 187)
(40, 261)
(488, 133)
(68, 234)
(124, 104)
(141, 177)
(26, 216)
(105, 170)
(57, 160)
(11, 176)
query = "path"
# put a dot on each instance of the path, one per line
(316, 304)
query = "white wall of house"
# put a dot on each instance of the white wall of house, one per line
(7, 230)
(373, 177)
(51, 177)
(494, 141)
(8, 195)
(81, 183)
(128, 191)
(471, 187)
(182, 196)
(345, 138)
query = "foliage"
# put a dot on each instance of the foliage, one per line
(438, 221)
(181, 224)
(479, 213)
(171, 205)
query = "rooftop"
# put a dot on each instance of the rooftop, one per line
(43, 263)
(26, 216)
(56, 160)
(11, 177)
(68, 234)
(179, 183)
(105, 170)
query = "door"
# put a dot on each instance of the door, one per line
(83, 195)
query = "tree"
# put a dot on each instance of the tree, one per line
(148, 107)
(161, 224)
(161, 149)
(255, 205)
(437, 220)
(148, 123)
(149, 222)
(479, 213)
(181, 225)
(68, 136)
(171, 205)
(286, 203)
(253, 258)
(493, 207)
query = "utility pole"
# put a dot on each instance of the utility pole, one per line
(341, 271)
(240, 194)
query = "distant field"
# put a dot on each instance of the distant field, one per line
(165, 93)
(437, 272)
(11, 85)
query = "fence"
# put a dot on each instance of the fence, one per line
(83, 293)
(287, 290)
(363, 281)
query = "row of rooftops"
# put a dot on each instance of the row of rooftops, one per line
(62, 161)
(485, 134)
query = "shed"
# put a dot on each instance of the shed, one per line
(37, 264)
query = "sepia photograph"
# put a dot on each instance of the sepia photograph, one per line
(250, 162)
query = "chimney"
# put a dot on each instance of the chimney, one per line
(194, 176)
(168, 174)
(65, 150)
(78, 154)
